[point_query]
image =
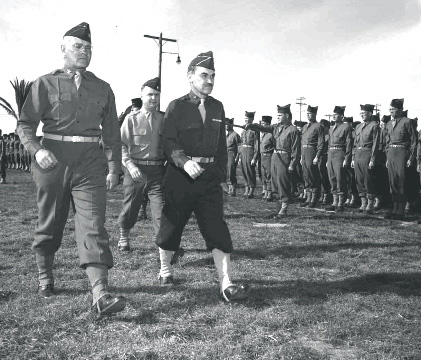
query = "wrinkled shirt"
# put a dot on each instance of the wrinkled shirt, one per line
(185, 134)
(267, 143)
(139, 140)
(233, 141)
(401, 132)
(65, 110)
(368, 136)
(251, 139)
(340, 135)
(313, 134)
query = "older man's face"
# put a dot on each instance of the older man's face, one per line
(202, 80)
(77, 53)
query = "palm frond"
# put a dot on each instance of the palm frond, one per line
(6, 106)
(22, 89)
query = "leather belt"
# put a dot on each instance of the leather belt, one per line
(363, 148)
(398, 146)
(247, 145)
(75, 138)
(335, 148)
(267, 153)
(148, 162)
(308, 146)
(282, 152)
(203, 160)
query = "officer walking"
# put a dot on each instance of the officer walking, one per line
(233, 143)
(143, 157)
(401, 144)
(339, 157)
(267, 146)
(311, 149)
(76, 108)
(365, 149)
(285, 156)
(249, 152)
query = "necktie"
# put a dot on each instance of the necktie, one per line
(149, 117)
(202, 109)
(78, 79)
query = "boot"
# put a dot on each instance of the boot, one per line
(348, 199)
(308, 199)
(269, 197)
(229, 190)
(325, 199)
(340, 207)
(334, 204)
(353, 201)
(370, 205)
(123, 241)
(377, 203)
(363, 206)
(263, 190)
(233, 193)
(401, 211)
(407, 208)
(322, 195)
(250, 194)
(392, 214)
(313, 201)
(283, 212)
(265, 195)
(246, 191)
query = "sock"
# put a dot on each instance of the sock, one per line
(165, 259)
(223, 266)
(98, 276)
(45, 269)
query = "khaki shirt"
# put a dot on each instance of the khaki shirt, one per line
(312, 134)
(367, 136)
(233, 141)
(340, 135)
(401, 132)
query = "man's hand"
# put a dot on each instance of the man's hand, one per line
(290, 168)
(45, 159)
(352, 164)
(387, 164)
(408, 163)
(253, 162)
(418, 167)
(112, 181)
(371, 164)
(135, 173)
(193, 169)
(344, 164)
(315, 160)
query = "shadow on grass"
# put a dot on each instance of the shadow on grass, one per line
(299, 251)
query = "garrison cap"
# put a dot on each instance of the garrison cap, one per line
(229, 121)
(250, 114)
(349, 119)
(154, 83)
(267, 119)
(332, 123)
(397, 103)
(386, 118)
(299, 124)
(312, 109)
(284, 109)
(355, 124)
(204, 60)
(137, 102)
(376, 117)
(325, 123)
(80, 31)
(339, 110)
(367, 107)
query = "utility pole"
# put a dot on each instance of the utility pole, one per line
(329, 116)
(160, 45)
(300, 102)
(376, 108)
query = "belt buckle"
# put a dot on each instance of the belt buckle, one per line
(77, 138)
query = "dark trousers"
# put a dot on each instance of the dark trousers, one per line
(324, 176)
(337, 173)
(396, 160)
(78, 174)
(150, 186)
(281, 177)
(266, 160)
(412, 183)
(202, 196)
(311, 174)
(364, 177)
(249, 171)
(3, 166)
(232, 168)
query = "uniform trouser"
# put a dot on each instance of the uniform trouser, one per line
(364, 176)
(249, 171)
(17, 158)
(281, 177)
(396, 160)
(3, 166)
(202, 196)
(337, 173)
(23, 161)
(311, 174)
(412, 183)
(78, 174)
(12, 159)
(134, 193)
(381, 180)
(324, 177)
(232, 168)
(266, 159)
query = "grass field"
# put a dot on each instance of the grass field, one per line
(324, 286)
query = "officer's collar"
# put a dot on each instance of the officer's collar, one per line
(195, 98)
(71, 73)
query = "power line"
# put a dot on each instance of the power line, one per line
(301, 103)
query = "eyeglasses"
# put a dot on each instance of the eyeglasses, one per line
(79, 47)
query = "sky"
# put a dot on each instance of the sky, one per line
(267, 53)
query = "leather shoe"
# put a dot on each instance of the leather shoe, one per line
(124, 248)
(235, 293)
(109, 304)
(46, 291)
(176, 257)
(166, 280)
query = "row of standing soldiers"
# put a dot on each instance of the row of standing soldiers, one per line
(338, 163)
(13, 155)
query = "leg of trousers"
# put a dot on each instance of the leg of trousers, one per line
(281, 177)
(249, 172)
(364, 176)
(396, 159)
(324, 177)
(231, 171)
(311, 174)
(266, 170)
(337, 173)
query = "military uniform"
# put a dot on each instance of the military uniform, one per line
(267, 146)
(12, 152)
(3, 158)
(340, 150)
(233, 144)
(324, 176)
(365, 149)
(16, 153)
